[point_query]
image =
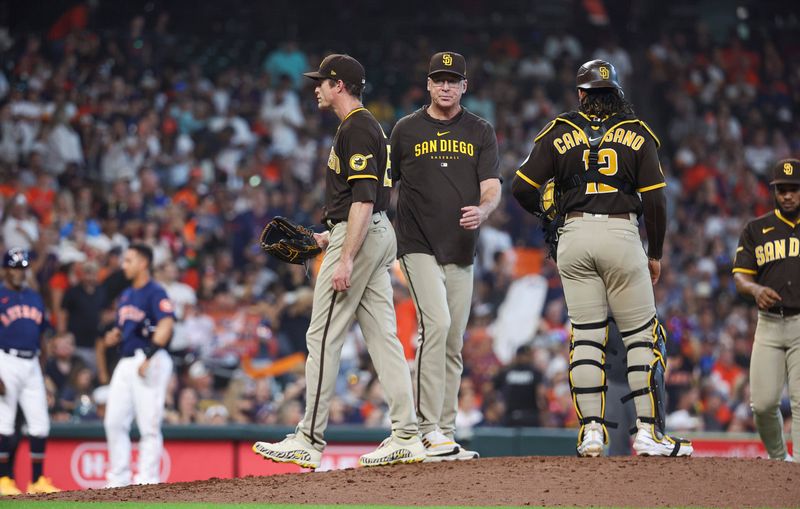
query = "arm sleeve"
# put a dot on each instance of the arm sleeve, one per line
(161, 306)
(527, 195)
(654, 204)
(650, 174)
(745, 261)
(488, 159)
(361, 159)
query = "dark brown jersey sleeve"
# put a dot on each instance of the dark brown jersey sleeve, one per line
(745, 260)
(360, 157)
(540, 164)
(649, 175)
(396, 150)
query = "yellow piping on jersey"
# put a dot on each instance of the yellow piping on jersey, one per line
(526, 179)
(354, 111)
(658, 142)
(745, 271)
(362, 177)
(780, 216)
(650, 188)
(546, 130)
(740, 248)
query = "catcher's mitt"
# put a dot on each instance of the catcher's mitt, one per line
(288, 241)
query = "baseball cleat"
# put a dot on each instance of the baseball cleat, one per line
(393, 451)
(647, 444)
(8, 487)
(42, 485)
(593, 441)
(291, 449)
(437, 444)
(465, 454)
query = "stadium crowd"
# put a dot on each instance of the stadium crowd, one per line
(111, 137)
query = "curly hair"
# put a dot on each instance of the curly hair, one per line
(602, 102)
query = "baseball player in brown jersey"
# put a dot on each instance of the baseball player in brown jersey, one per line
(446, 160)
(767, 267)
(353, 281)
(606, 172)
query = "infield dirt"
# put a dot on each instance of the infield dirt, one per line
(516, 481)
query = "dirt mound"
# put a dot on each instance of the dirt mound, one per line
(547, 481)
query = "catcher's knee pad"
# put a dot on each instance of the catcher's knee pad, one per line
(587, 377)
(647, 365)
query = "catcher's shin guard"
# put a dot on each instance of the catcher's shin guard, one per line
(587, 377)
(647, 365)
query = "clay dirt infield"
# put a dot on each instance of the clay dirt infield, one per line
(517, 481)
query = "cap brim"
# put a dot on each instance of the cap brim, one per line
(314, 75)
(793, 182)
(447, 72)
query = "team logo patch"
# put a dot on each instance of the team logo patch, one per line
(447, 59)
(165, 306)
(604, 73)
(359, 161)
(787, 168)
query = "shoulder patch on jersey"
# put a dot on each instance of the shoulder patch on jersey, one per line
(359, 161)
(165, 306)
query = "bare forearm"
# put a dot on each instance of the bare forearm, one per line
(490, 196)
(746, 284)
(357, 224)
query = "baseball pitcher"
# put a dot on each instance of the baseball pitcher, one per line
(353, 281)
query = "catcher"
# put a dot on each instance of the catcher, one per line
(606, 172)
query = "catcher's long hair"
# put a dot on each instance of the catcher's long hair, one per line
(603, 102)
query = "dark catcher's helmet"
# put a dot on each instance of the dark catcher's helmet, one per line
(597, 74)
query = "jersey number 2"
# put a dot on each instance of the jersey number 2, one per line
(607, 161)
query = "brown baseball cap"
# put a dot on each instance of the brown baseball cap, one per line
(449, 62)
(339, 67)
(786, 171)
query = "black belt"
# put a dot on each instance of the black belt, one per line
(330, 222)
(780, 310)
(573, 215)
(22, 354)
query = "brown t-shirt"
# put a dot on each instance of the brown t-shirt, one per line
(769, 249)
(627, 152)
(359, 166)
(441, 165)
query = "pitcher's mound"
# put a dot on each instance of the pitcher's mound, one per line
(516, 481)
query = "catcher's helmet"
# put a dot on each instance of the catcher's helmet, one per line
(597, 74)
(16, 258)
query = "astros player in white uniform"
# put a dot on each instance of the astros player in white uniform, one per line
(138, 388)
(22, 322)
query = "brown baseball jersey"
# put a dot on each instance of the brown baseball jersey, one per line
(627, 152)
(441, 164)
(769, 249)
(359, 166)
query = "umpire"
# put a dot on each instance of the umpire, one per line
(605, 170)
(767, 267)
(446, 160)
(354, 280)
